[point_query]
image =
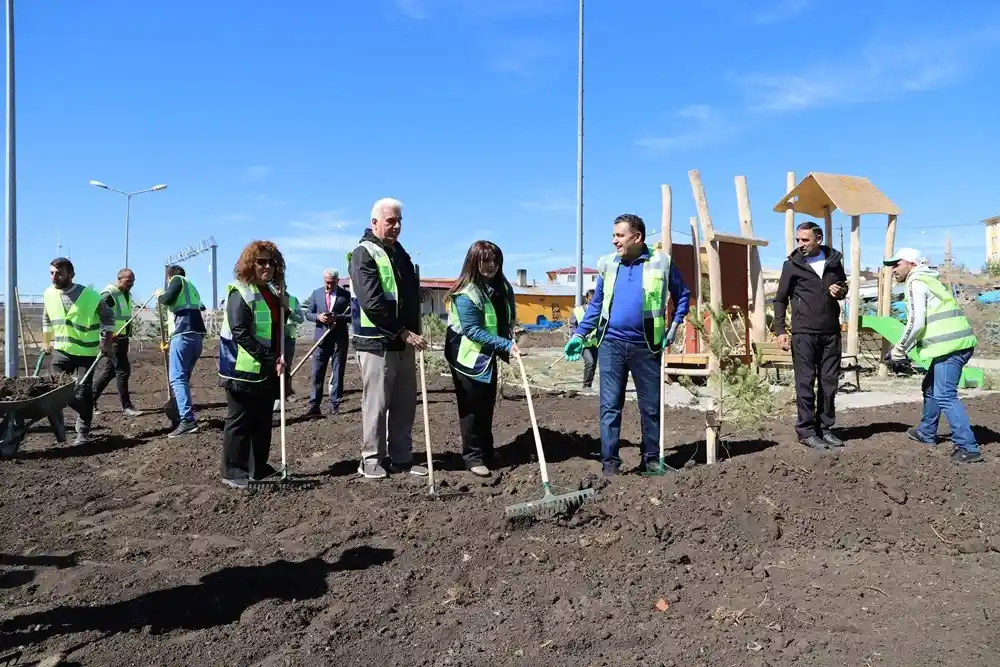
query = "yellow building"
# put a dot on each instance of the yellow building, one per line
(553, 302)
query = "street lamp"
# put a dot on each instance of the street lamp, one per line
(128, 204)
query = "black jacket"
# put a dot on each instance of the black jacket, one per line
(813, 309)
(241, 323)
(367, 294)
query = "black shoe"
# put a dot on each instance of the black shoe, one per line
(335, 408)
(610, 469)
(832, 440)
(313, 411)
(914, 435)
(238, 483)
(184, 428)
(267, 470)
(965, 456)
(814, 442)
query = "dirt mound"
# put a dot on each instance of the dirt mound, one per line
(556, 338)
(129, 551)
(23, 388)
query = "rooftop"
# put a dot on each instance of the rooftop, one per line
(571, 270)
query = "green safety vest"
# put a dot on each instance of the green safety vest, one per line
(78, 330)
(123, 306)
(292, 327)
(235, 363)
(947, 329)
(187, 299)
(464, 355)
(655, 278)
(590, 340)
(361, 326)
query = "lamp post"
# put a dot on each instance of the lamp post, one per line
(128, 204)
(579, 160)
(10, 196)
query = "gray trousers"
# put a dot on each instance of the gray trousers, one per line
(388, 406)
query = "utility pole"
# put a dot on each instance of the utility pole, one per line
(10, 194)
(579, 162)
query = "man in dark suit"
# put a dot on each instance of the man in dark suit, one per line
(330, 308)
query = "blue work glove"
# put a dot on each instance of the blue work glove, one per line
(671, 334)
(573, 349)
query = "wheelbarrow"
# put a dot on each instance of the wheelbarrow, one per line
(19, 416)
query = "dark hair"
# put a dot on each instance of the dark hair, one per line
(810, 225)
(472, 274)
(590, 293)
(62, 263)
(175, 270)
(634, 223)
(122, 272)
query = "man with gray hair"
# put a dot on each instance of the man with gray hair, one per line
(385, 323)
(329, 307)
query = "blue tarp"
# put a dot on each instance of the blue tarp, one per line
(993, 296)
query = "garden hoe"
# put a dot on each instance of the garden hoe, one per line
(282, 479)
(432, 491)
(661, 468)
(549, 503)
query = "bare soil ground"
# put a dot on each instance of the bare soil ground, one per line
(21, 388)
(531, 339)
(129, 551)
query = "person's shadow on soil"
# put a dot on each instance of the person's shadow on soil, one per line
(219, 598)
(559, 447)
(865, 431)
(105, 444)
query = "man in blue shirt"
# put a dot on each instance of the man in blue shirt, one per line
(628, 312)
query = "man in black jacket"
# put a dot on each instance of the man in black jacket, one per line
(385, 321)
(330, 308)
(814, 281)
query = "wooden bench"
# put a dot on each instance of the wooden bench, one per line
(770, 355)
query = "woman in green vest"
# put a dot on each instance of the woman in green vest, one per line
(480, 323)
(250, 362)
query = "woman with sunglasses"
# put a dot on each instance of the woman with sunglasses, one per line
(250, 361)
(480, 320)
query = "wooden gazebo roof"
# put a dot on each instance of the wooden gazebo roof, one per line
(852, 195)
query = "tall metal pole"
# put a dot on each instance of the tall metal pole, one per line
(128, 209)
(10, 196)
(579, 162)
(215, 279)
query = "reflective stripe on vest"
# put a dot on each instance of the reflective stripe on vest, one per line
(464, 355)
(123, 306)
(655, 279)
(235, 363)
(947, 329)
(292, 327)
(361, 326)
(78, 330)
(187, 299)
(590, 340)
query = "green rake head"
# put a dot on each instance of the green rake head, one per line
(658, 469)
(549, 504)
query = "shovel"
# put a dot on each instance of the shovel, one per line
(661, 468)
(432, 490)
(549, 503)
(170, 407)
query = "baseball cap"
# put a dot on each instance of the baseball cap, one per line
(911, 255)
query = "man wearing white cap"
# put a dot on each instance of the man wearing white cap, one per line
(938, 334)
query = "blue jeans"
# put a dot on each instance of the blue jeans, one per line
(616, 359)
(940, 387)
(185, 350)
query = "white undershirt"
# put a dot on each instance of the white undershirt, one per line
(817, 262)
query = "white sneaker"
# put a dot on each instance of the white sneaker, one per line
(480, 471)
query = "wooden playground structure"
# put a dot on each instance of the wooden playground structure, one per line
(735, 276)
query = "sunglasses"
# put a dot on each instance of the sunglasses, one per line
(265, 262)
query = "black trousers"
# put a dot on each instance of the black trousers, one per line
(335, 351)
(246, 436)
(476, 401)
(116, 365)
(815, 356)
(83, 398)
(589, 365)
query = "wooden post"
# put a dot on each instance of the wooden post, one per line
(854, 293)
(828, 226)
(885, 288)
(758, 314)
(789, 216)
(696, 288)
(665, 238)
(715, 296)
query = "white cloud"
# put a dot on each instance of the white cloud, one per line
(414, 9)
(696, 125)
(780, 11)
(257, 172)
(317, 241)
(490, 10)
(882, 70)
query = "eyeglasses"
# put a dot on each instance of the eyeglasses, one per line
(262, 262)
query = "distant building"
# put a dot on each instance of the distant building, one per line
(567, 276)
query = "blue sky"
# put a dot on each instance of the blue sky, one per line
(287, 120)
